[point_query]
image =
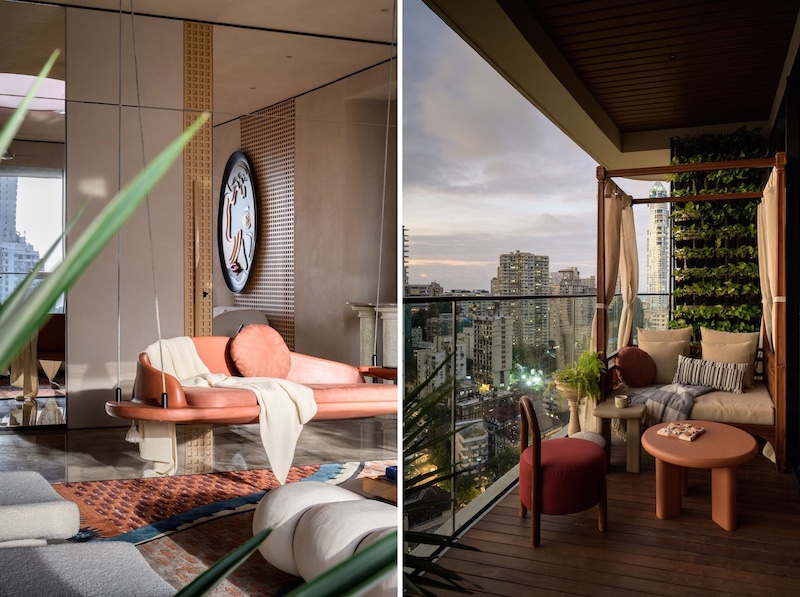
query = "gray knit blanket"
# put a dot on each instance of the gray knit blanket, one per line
(672, 402)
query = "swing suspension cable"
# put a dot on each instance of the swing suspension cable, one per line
(119, 237)
(147, 204)
(383, 189)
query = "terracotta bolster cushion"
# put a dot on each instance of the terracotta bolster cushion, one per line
(571, 473)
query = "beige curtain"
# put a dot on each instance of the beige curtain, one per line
(767, 252)
(615, 201)
(628, 271)
(24, 372)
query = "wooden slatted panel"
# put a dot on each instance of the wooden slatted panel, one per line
(197, 225)
(687, 555)
(727, 65)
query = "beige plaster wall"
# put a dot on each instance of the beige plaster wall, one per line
(93, 148)
(339, 163)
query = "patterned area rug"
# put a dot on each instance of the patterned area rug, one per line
(183, 556)
(139, 510)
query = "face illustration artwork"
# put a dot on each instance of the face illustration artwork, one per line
(237, 222)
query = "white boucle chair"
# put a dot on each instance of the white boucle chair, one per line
(316, 526)
(32, 512)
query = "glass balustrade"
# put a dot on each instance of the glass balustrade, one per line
(479, 355)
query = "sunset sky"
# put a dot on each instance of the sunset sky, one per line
(484, 172)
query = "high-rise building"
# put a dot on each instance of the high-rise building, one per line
(526, 274)
(658, 259)
(472, 446)
(8, 208)
(17, 256)
(571, 318)
(493, 337)
(405, 260)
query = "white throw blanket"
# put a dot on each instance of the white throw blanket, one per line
(285, 407)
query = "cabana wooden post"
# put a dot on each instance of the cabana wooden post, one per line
(774, 370)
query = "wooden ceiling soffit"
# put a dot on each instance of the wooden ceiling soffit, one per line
(663, 64)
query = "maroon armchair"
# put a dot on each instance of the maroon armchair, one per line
(558, 476)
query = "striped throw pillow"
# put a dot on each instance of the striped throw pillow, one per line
(728, 377)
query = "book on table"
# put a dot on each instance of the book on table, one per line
(684, 431)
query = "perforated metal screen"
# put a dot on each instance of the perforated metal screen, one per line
(268, 140)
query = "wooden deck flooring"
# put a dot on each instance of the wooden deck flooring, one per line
(640, 554)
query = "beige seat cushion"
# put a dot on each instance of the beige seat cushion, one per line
(736, 339)
(743, 352)
(684, 334)
(665, 356)
(754, 406)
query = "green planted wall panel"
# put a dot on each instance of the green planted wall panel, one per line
(715, 244)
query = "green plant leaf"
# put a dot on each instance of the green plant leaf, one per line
(205, 583)
(420, 433)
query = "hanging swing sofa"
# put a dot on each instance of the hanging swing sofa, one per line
(617, 255)
(340, 390)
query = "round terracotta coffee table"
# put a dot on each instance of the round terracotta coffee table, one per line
(720, 448)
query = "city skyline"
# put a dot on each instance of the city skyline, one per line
(485, 173)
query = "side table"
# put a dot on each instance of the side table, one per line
(722, 448)
(605, 411)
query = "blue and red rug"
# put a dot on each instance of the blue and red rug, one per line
(139, 510)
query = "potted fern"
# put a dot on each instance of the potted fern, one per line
(577, 381)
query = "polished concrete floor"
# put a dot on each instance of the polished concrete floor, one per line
(63, 455)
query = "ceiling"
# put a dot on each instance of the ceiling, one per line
(302, 45)
(623, 76)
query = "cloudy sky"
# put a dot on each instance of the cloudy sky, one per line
(484, 172)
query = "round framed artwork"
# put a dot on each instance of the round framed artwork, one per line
(238, 222)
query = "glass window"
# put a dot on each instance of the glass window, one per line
(31, 221)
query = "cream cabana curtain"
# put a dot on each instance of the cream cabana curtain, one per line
(621, 259)
(628, 272)
(768, 253)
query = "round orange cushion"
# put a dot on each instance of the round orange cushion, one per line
(259, 351)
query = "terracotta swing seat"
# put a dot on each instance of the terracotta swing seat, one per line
(340, 390)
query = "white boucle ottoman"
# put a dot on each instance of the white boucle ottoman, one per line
(316, 526)
(96, 569)
(32, 512)
(591, 436)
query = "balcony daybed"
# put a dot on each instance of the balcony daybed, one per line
(760, 410)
